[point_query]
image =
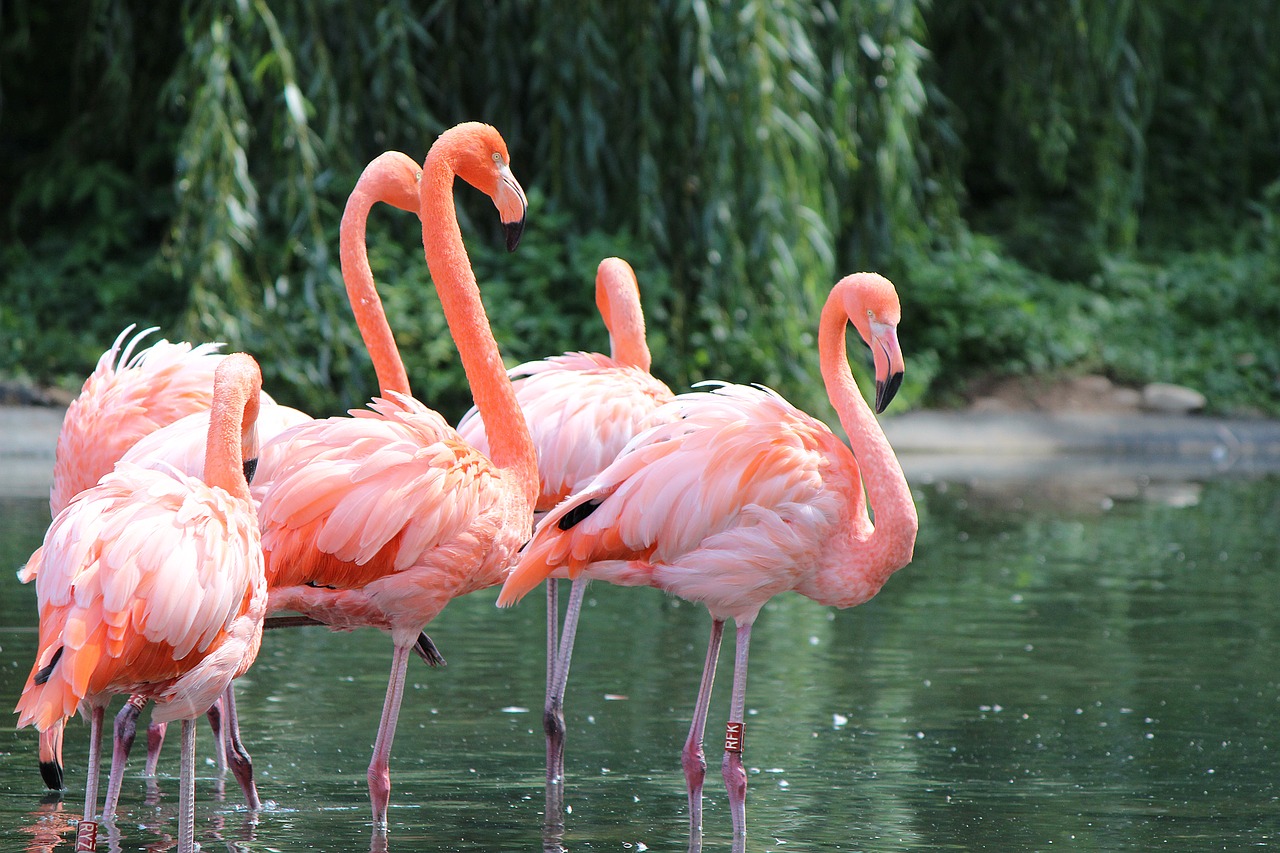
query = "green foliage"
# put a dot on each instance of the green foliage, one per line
(1021, 169)
(977, 312)
(1206, 319)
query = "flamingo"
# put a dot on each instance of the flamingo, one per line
(152, 582)
(128, 397)
(380, 519)
(739, 498)
(392, 177)
(582, 408)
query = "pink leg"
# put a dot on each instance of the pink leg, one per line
(380, 765)
(553, 712)
(735, 776)
(155, 740)
(215, 715)
(95, 758)
(552, 725)
(187, 790)
(237, 756)
(692, 758)
(126, 729)
(87, 830)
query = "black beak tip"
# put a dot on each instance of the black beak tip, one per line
(514, 230)
(886, 390)
(51, 772)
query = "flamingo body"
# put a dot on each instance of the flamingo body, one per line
(382, 518)
(738, 498)
(151, 582)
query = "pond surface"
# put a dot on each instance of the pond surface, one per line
(1082, 663)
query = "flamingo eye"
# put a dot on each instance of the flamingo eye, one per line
(497, 158)
(871, 315)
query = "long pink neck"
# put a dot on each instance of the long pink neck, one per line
(392, 178)
(618, 298)
(893, 539)
(232, 418)
(510, 446)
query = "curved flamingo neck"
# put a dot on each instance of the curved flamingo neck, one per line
(232, 419)
(392, 178)
(893, 539)
(618, 298)
(510, 446)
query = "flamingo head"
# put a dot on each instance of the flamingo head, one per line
(481, 159)
(618, 298)
(872, 304)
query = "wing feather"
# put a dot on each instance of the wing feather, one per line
(394, 476)
(725, 461)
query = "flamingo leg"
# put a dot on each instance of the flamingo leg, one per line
(125, 730)
(238, 757)
(187, 790)
(553, 712)
(219, 742)
(380, 765)
(87, 830)
(735, 775)
(553, 647)
(155, 740)
(552, 715)
(95, 759)
(692, 758)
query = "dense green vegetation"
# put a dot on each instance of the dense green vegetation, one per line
(1055, 185)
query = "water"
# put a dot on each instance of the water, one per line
(1086, 662)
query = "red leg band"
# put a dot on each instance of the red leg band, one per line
(86, 837)
(733, 737)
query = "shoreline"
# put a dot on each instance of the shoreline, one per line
(932, 445)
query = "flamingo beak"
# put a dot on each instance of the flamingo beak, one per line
(512, 206)
(888, 361)
(249, 452)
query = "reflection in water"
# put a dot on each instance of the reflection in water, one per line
(48, 826)
(1089, 669)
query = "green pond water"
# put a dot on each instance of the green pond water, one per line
(1081, 661)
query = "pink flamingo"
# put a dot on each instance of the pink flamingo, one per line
(382, 518)
(152, 582)
(740, 498)
(391, 177)
(582, 408)
(128, 397)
